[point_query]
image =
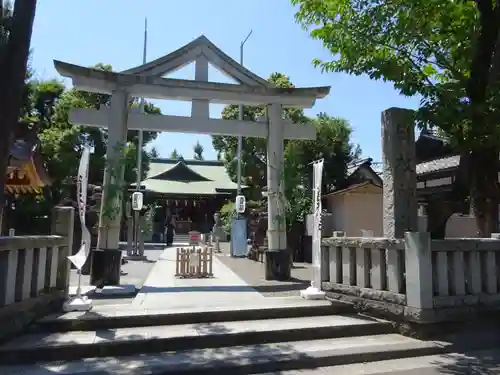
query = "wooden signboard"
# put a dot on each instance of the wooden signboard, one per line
(194, 237)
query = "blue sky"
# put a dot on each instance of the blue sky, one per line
(86, 32)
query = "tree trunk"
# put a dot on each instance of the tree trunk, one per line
(484, 190)
(12, 76)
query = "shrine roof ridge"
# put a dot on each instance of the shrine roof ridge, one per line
(187, 161)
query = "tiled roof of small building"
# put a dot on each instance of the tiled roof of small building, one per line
(438, 164)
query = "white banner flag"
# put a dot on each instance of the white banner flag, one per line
(80, 258)
(317, 210)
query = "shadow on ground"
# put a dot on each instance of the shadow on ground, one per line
(253, 273)
(469, 363)
(478, 345)
(153, 357)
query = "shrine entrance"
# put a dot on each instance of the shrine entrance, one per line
(146, 81)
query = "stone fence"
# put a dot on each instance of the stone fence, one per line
(414, 279)
(34, 273)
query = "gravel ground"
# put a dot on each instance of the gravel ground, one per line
(254, 274)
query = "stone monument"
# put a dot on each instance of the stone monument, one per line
(400, 209)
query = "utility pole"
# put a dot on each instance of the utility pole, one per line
(240, 117)
(139, 151)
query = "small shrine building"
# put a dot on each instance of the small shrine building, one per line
(191, 190)
(26, 174)
(25, 171)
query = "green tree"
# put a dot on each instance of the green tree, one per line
(46, 112)
(154, 153)
(254, 154)
(14, 52)
(176, 155)
(446, 51)
(198, 151)
(66, 140)
(61, 142)
(332, 144)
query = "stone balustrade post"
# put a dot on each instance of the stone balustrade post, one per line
(8, 270)
(334, 260)
(63, 220)
(325, 263)
(419, 287)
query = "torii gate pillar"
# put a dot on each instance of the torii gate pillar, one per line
(278, 265)
(106, 259)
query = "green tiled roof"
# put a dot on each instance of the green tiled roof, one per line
(188, 177)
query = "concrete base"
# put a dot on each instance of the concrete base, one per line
(278, 265)
(117, 290)
(106, 266)
(312, 293)
(85, 290)
(77, 304)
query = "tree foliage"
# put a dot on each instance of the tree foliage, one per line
(176, 155)
(63, 142)
(253, 156)
(332, 143)
(446, 51)
(46, 107)
(198, 151)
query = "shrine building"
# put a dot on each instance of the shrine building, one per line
(25, 171)
(26, 174)
(191, 190)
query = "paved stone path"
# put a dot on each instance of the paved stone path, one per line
(163, 290)
(134, 273)
(254, 274)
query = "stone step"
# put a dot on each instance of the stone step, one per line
(246, 359)
(181, 238)
(102, 317)
(43, 347)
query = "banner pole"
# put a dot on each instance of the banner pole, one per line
(314, 290)
(79, 287)
(79, 302)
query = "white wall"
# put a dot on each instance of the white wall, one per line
(364, 211)
(335, 205)
(354, 212)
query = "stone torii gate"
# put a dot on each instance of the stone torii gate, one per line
(147, 81)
